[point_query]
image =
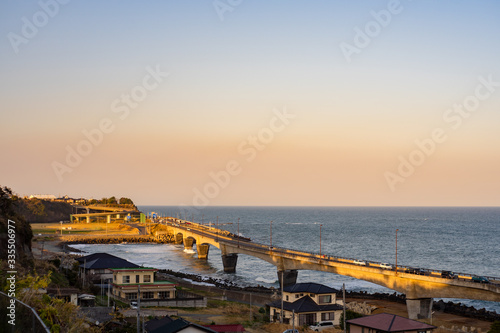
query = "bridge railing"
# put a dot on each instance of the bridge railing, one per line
(316, 256)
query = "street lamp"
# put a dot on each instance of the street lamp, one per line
(61, 228)
(238, 235)
(397, 251)
(320, 240)
(271, 234)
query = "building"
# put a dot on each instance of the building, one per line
(385, 323)
(97, 267)
(234, 328)
(168, 325)
(310, 303)
(127, 282)
(69, 295)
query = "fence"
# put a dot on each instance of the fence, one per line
(23, 316)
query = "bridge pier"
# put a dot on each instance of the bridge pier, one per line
(178, 239)
(202, 250)
(419, 308)
(188, 243)
(229, 261)
(289, 277)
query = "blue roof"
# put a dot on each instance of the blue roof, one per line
(305, 304)
(309, 287)
(104, 260)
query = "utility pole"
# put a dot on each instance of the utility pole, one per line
(343, 299)
(139, 309)
(320, 240)
(271, 235)
(397, 251)
(282, 283)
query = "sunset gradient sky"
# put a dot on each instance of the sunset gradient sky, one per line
(262, 104)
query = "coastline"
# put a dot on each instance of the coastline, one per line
(447, 314)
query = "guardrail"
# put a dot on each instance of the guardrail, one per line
(26, 319)
(296, 254)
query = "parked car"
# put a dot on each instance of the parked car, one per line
(385, 266)
(413, 270)
(480, 279)
(133, 305)
(360, 262)
(291, 331)
(322, 325)
(448, 275)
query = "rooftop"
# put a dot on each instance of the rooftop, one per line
(104, 260)
(389, 323)
(305, 304)
(309, 287)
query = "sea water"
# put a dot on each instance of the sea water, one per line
(465, 239)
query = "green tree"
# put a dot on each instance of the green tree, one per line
(349, 314)
(495, 327)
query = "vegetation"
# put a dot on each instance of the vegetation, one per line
(349, 314)
(495, 327)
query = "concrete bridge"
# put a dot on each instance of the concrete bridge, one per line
(419, 286)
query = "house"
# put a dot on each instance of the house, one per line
(167, 325)
(67, 294)
(128, 282)
(235, 328)
(311, 303)
(385, 323)
(97, 267)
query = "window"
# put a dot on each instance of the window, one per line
(325, 299)
(147, 278)
(131, 295)
(126, 279)
(164, 294)
(137, 278)
(287, 297)
(148, 294)
(296, 295)
(114, 277)
(328, 316)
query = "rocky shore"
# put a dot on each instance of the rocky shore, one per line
(204, 282)
(458, 309)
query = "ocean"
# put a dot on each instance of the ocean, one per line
(458, 239)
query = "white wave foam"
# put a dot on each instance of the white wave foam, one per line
(189, 251)
(261, 279)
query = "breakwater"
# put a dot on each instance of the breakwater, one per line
(458, 309)
(115, 239)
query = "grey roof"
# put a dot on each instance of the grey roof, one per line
(390, 323)
(164, 326)
(305, 304)
(157, 323)
(309, 287)
(104, 260)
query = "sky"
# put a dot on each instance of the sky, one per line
(235, 102)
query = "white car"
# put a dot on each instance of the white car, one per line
(133, 305)
(386, 266)
(322, 325)
(360, 262)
